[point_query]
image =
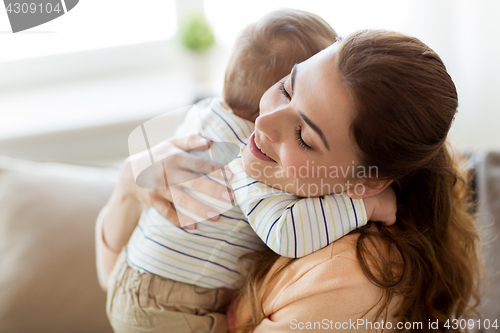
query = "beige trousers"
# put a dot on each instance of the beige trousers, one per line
(143, 302)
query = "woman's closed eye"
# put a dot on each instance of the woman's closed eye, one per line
(302, 144)
(283, 91)
(298, 133)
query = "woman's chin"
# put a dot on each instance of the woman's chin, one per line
(251, 164)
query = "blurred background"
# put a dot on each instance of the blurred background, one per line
(105, 63)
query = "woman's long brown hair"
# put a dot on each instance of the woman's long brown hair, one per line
(405, 102)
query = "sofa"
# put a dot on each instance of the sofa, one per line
(48, 280)
(52, 187)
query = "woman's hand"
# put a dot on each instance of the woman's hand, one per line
(121, 214)
(128, 199)
(173, 174)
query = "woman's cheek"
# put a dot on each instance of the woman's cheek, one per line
(252, 166)
(295, 166)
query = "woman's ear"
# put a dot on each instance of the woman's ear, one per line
(368, 188)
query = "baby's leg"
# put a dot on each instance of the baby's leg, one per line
(143, 302)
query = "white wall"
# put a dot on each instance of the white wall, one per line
(465, 33)
(146, 74)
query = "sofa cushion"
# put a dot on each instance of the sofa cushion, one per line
(488, 219)
(48, 280)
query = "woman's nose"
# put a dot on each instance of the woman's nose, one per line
(271, 124)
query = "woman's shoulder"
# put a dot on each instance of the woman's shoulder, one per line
(327, 284)
(334, 267)
(338, 264)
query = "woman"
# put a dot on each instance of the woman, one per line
(423, 269)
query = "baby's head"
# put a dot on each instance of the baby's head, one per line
(266, 51)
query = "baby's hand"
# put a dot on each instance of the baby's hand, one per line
(382, 207)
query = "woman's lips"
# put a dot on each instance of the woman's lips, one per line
(256, 151)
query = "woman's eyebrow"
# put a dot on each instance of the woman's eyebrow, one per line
(292, 76)
(303, 116)
(314, 127)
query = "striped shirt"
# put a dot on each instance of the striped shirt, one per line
(208, 255)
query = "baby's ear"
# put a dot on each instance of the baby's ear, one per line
(368, 188)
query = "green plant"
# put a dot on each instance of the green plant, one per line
(196, 34)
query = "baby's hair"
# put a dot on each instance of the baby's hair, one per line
(266, 51)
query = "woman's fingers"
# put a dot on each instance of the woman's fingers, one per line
(181, 169)
(183, 201)
(204, 165)
(192, 142)
(205, 185)
(167, 209)
(190, 162)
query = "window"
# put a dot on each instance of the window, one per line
(228, 17)
(91, 25)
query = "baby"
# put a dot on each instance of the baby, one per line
(197, 269)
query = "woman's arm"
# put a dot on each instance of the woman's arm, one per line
(115, 224)
(118, 219)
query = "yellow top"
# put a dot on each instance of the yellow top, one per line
(324, 291)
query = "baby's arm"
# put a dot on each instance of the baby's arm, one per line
(382, 207)
(294, 227)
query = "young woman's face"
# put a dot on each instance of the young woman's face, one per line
(304, 132)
